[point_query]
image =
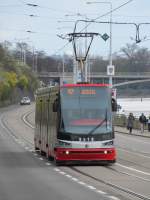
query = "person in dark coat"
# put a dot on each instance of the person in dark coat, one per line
(148, 122)
(142, 120)
(130, 121)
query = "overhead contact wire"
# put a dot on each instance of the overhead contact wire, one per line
(113, 10)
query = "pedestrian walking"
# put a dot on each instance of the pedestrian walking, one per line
(142, 120)
(148, 122)
(130, 121)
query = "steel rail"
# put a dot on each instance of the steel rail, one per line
(10, 131)
(127, 191)
(24, 118)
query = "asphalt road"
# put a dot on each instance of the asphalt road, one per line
(26, 175)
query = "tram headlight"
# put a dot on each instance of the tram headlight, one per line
(105, 152)
(67, 152)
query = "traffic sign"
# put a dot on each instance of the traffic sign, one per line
(110, 70)
(105, 36)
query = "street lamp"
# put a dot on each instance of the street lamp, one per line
(20, 43)
(110, 67)
(28, 31)
(32, 5)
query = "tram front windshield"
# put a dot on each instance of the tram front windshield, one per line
(85, 110)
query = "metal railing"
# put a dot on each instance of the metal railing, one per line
(97, 74)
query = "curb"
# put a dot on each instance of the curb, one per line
(146, 136)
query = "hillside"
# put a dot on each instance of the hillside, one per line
(16, 78)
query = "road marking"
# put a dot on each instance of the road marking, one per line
(74, 179)
(101, 192)
(91, 187)
(133, 169)
(134, 139)
(26, 122)
(48, 163)
(61, 172)
(148, 180)
(114, 198)
(56, 169)
(41, 158)
(139, 154)
(69, 176)
(2, 125)
(81, 183)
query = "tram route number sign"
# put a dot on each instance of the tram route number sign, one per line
(110, 70)
(72, 91)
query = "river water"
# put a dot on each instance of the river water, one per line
(134, 105)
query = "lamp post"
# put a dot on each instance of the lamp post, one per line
(110, 67)
(20, 43)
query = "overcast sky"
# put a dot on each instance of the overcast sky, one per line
(15, 21)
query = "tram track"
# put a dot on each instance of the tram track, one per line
(135, 152)
(128, 174)
(114, 186)
(106, 183)
(126, 191)
(25, 119)
(10, 130)
(134, 163)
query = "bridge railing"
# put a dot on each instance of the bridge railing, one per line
(55, 74)
(95, 74)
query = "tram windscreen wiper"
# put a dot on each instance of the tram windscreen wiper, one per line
(99, 125)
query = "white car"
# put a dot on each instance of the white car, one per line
(25, 101)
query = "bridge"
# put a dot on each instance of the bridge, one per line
(119, 79)
(131, 82)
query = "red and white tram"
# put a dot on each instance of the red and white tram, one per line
(74, 123)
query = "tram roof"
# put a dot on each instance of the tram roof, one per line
(56, 88)
(47, 89)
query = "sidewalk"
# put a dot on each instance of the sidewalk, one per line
(135, 132)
